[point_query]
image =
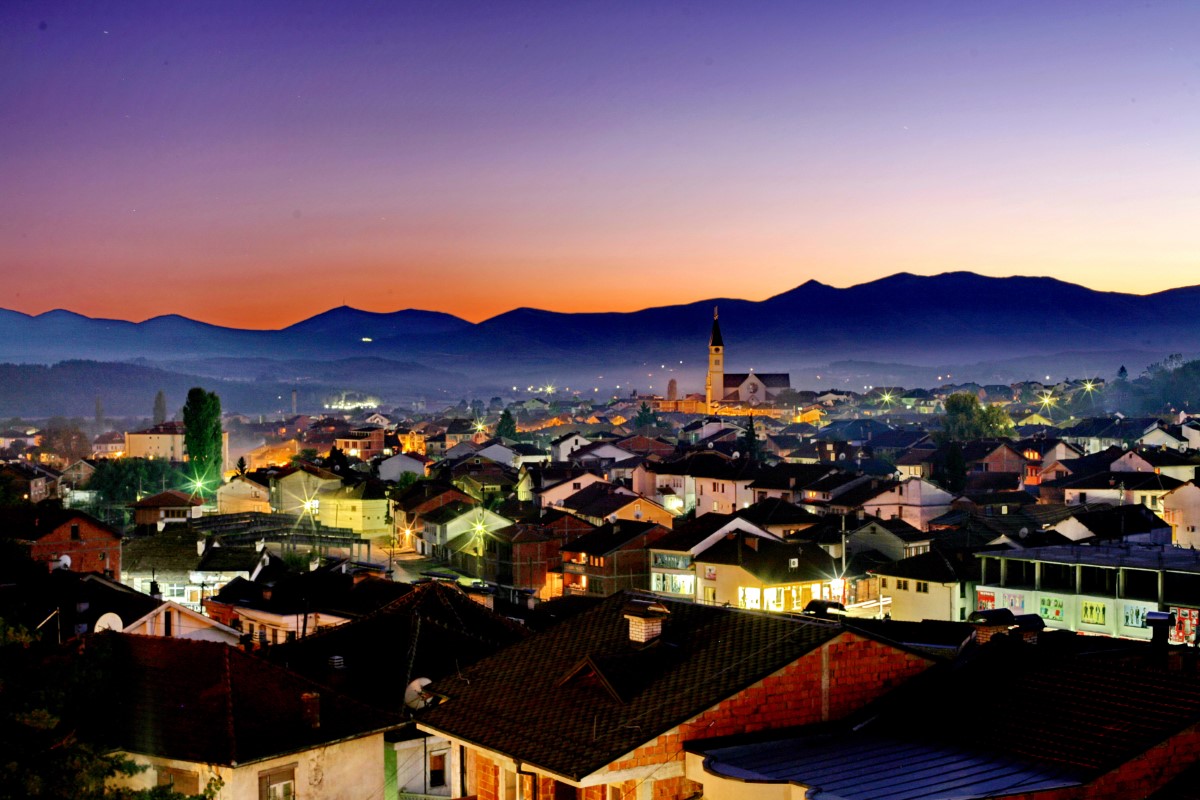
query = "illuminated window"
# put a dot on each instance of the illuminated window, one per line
(749, 597)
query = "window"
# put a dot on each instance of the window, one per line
(883, 583)
(1083, 497)
(277, 784)
(180, 780)
(437, 769)
(75, 532)
(923, 587)
(901, 585)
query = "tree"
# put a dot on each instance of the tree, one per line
(645, 417)
(750, 443)
(1122, 373)
(953, 474)
(121, 481)
(160, 408)
(241, 467)
(337, 462)
(65, 438)
(202, 437)
(965, 419)
(506, 428)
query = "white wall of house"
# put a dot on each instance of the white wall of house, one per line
(916, 501)
(347, 770)
(914, 600)
(561, 450)
(554, 495)
(1181, 510)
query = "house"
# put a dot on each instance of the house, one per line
(109, 445)
(68, 604)
(603, 704)
(418, 499)
(1118, 488)
(744, 570)
(441, 525)
(294, 489)
(27, 482)
(173, 620)
(613, 557)
(361, 443)
(1181, 510)
(387, 659)
(392, 468)
(537, 551)
(562, 447)
(602, 502)
(63, 538)
(673, 557)
(936, 584)
(1131, 523)
(244, 493)
(553, 494)
(914, 500)
(166, 441)
(177, 565)
(1063, 726)
(361, 508)
(164, 508)
(194, 711)
(893, 537)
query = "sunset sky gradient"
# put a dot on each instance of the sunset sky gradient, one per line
(252, 164)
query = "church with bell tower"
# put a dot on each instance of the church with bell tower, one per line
(737, 392)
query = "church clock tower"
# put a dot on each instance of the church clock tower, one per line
(714, 385)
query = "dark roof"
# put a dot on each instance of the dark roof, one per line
(208, 702)
(171, 498)
(1132, 481)
(609, 537)
(934, 567)
(688, 533)
(541, 700)
(433, 631)
(770, 561)
(32, 522)
(173, 550)
(1118, 521)
(774, 511)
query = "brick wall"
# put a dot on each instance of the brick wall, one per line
(859, 671)
(96, 549)
(855, 670)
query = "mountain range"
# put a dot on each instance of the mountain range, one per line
(905, 329)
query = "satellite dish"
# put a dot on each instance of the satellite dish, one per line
(109, 622)
(415, 696)
(62, 562)
(1023, 532)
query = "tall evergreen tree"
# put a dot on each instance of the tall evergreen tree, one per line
(506, 428)
(750, 443)
(99, 413)
(202, 436)
(645, 417)
(160, 408)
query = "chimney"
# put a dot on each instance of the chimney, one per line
(645, 620)
(311, 703)
(155, 591)
(200, 545)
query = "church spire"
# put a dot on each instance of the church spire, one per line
(715, 339)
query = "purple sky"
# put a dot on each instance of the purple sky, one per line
(254, 163)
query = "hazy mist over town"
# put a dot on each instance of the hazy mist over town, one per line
(624, 401)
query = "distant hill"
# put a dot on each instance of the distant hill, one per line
(925, 323)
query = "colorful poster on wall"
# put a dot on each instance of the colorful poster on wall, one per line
(1014, 602)
(984, 600)
(1186, 619)
(1093, 613)
(1051, 608)
(1135, 616)
(710, 573)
